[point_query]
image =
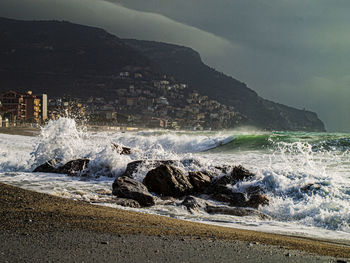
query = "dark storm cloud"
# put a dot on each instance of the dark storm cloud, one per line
(123, 22)
(294, 52)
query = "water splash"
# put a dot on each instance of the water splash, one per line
(308, 187)
(59, 139)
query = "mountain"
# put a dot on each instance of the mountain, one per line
(62, 58)
(186, 65)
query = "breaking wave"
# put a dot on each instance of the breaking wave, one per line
(305, 175)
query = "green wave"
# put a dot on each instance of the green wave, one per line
(265, 141)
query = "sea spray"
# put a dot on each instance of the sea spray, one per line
(59, 139)
(15, 153)
(62, 140)
(307, 187)
(108, 162)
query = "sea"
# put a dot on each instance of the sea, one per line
(305, 175)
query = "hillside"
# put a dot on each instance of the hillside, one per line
(186, 65)
(62, 58)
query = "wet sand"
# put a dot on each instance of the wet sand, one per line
(37, 227)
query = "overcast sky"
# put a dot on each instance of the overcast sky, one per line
(295, 52)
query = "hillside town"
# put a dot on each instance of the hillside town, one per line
(139, 102)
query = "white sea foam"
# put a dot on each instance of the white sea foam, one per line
(283, 170)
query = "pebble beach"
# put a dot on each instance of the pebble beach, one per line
(37, 227)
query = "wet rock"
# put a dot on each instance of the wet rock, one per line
(237, 199)
(199, 180)
(238, 173)
(133, 167)
(255, 189)
(256, 200)
(126, 187)
(219, 189)
(122, 150)
(76, 167)
(47, 167)
(97, 169)
(167, 180)
(126, 202)
(251, 198)
(224, 169)
(236, 211)
(194, 203)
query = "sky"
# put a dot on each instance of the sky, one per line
(292, 52)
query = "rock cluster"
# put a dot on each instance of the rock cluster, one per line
(165, 181)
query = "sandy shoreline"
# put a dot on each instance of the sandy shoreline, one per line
(26, 214)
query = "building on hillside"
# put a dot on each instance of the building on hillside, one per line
(31, 107)
(43, 108)
(13, 105)
(18, 107)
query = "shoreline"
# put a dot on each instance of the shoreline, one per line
(31, 213)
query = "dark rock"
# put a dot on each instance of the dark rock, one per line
(211, 174)
(219, 189)
(233, 198)
(199, 180)
(167, 180)
(224, 169)
(98, 169)
(47, 167)
(258, 199)
(223, 180)
(252, 198)
(129, 188)
(194, 203)
(132, 167)
(76, 167)
(236, 211)
(126, 202)
(122, 150)
(255, 189)
(238, 173)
